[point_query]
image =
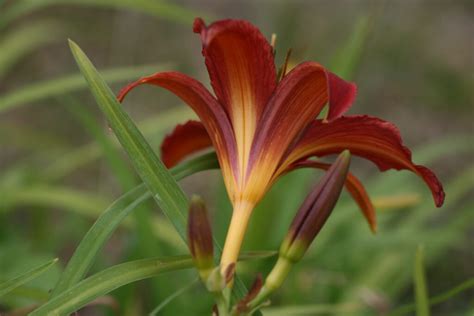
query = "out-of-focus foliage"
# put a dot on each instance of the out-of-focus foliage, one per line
(60, 167)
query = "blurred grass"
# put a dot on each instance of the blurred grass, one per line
(159, 9)
(21, 42)
(67, 84)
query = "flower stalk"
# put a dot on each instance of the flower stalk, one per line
(235, 234)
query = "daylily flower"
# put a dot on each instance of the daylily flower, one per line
(262, 128)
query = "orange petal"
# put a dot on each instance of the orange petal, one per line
(240, 64)
(353, 186)
(367, 137)
(185, 140)
(242, 71)
(341, 95)
(207, 108)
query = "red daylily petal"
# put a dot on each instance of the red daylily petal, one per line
(353, 186)
(341, 96)
(206, 107)
(185, 140)
(242, 71)
(367, 137)
(240, 64)
(298, 99)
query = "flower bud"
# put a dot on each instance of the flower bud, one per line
(315, 210)
(200, 237)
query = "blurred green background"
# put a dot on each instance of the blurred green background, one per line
(60, 166)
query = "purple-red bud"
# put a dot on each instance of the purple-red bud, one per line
(316, 209)
(200, 236)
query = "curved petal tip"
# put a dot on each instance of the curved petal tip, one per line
(199, 25)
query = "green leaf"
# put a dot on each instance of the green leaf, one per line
(158, 8)
(110, 219)
(154, 174)
(55, 87)
(421, 292)
(108, 280)
(147, 241)
(112, 278)
(10, 285)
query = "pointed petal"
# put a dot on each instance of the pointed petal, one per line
(240, 64)
(367, 137)
(185, 140)
(298, 99)
(341, 96)
(242, 71)
(353, 186)
(206, 107)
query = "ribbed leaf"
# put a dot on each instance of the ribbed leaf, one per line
(154, 174)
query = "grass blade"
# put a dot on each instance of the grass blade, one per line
(60, 86)
(108, 280)
(106, 224)
(114, 277)
(421, 292)
(154, 174)
(10, 285)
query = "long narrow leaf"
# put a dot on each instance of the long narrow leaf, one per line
(421, 291)
(154, 174)
(108, 280)
(10, 285)
(114, 277)
(108, 222)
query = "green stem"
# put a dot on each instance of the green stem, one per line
(222, 304)
(273, 282)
